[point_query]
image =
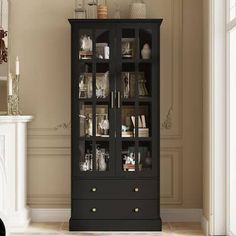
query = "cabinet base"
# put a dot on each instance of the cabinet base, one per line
(115, 225)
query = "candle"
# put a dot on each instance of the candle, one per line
(17, 66)
(10, 85)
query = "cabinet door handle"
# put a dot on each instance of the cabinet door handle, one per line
(136, 189)
(93, 189)
(112, 99)
(136, 210)
(118, 99)
(94, 209)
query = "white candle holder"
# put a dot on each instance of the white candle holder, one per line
(13, 100)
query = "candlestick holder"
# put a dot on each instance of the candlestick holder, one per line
(13, 100)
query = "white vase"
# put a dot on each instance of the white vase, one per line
(146, 51)
(102, 163)
(138, 10)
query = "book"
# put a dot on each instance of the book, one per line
(143, 121)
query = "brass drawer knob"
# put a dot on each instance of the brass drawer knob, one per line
(94, 209)
(94, 190)
(136, 210)
(136, 190)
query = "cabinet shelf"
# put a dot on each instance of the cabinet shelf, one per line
(133, 60)
(132, 100)
(136, 139)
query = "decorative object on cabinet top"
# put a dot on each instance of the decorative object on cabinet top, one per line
(80, 12)
(102, 9)
(138, 9)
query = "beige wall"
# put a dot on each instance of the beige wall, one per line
(40, 35)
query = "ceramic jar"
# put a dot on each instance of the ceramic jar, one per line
(102, 11)
(138, 10)
(146, 51)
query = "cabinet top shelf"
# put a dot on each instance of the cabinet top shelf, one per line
(77, 21)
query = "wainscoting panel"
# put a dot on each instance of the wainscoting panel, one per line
(171, 176)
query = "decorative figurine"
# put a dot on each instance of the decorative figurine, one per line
(100, 159)
(102, 162)
(146, 51)
(89, 126)
(104, 125)
(86, 47)
(86, 43)
(82, 88)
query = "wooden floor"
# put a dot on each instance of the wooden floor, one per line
(51, 229)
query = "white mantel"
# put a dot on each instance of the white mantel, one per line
(13, 132)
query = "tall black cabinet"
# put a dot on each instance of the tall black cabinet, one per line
(115, 110)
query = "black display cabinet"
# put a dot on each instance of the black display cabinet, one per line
(115, 132)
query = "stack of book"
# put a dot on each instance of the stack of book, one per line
(143, 132)
(129, 167)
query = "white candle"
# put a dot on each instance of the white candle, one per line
(17, 66)
(10, 85)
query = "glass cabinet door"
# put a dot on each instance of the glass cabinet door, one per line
(96, 113)
(136, 86)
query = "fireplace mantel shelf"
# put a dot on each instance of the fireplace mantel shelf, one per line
(15, 119)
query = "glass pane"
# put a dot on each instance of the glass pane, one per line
(85, 44)
(232, 10)
(102, 44)
(127, 119)
(102, 156)
(86, 81)
(102, 80)
(128, 43)
(232, 130)
(86, 155)
(102, 121)
(128, 80)
(145, 43)
(128, 156)
(85, 119)
(144, 156)
(144, 122)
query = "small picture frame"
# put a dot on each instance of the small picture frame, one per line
(127, 47)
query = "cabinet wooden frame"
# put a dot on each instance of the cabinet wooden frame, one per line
(115, 174)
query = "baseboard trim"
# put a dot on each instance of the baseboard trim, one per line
(204, 223)
(181, 215)
(167, 215)
(50, 214)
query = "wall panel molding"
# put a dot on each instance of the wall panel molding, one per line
(171, 176)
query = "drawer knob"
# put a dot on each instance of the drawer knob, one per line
(94, 209)
(94, 190)
(136, 190)
(136, 210)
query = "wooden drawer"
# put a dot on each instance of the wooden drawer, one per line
(114, 209)
(115, 189)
